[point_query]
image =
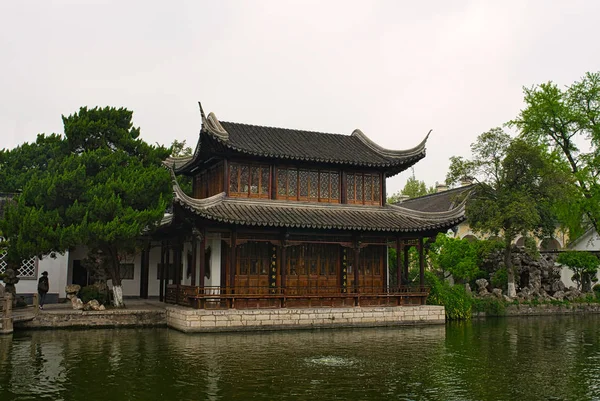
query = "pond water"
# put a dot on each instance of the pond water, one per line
(541, 358)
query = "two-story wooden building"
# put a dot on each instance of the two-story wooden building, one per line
(288, 217)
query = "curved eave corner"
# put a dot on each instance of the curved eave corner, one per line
(416, 151)
(436, 220)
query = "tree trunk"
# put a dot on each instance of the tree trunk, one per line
(510, 273)
(115, 276)
(117, 291)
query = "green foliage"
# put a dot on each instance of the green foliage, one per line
(456, 256)
(490, 306)
(568, 121)
(584, 266)
(500, 279)
(102, 189)
(179, 149)
(516, 191)
(413, 189)
(596, 289)
(530, 247)
(455, 299)
(93, 292)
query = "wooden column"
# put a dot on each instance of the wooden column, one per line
(343, 187)
(273, 186)
(356, 264)
(161, 273)
(168, 267)
(232, 261)
(225, 177)
(202, 258)
(386, 270)
(399, 266)
(144, 271)
(177, 265)
(283, 262)
(421, 263)
(406, 249)
(383, 189)
(194, 257)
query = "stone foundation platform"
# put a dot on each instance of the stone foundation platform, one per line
(205, 320)
(93, 319)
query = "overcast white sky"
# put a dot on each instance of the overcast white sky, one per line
(394, 69)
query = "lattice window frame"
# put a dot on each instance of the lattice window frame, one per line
(28, 269)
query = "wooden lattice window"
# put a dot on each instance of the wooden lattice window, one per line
(27, 270)
(363, 188)
(253, 258)
(308, 185)
(249, 180)
(312, 259)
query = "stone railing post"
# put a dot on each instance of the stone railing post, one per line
(6, 319)
(36, 302)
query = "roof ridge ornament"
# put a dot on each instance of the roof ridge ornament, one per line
(212, 125)
(420, 148)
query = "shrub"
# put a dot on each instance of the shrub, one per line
(596, 289)
(455, 299)
(490, 306)
(93, 292)
(500, 279)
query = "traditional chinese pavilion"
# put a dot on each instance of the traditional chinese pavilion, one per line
(282, 217)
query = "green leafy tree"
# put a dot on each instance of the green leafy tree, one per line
(568, 120)
(584, 266)
(515, 192)
(413, 189)
(179, 149)
(103, 191)
(458, 257)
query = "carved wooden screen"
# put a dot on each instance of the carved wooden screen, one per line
(249, 180)
(312, 269)
(308, 185)
(371, 268)
(363, 188)
(253, 267)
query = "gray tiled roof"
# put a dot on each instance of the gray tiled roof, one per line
(272, 213)
(438, 202)
(291, 144)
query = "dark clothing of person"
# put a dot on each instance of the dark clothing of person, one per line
(43, 287)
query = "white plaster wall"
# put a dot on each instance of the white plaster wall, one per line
(57, 276)
(214, 241)
(153, 282)
(589, 242)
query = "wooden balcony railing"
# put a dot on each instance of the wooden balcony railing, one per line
(277, 297)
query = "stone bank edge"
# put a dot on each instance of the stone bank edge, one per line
(201, 320)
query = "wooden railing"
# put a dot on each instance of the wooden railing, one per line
(277, 297)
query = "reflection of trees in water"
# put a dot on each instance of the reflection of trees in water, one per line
(525, 358)
(517, 358)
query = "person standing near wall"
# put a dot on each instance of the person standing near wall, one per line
(43, 287)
